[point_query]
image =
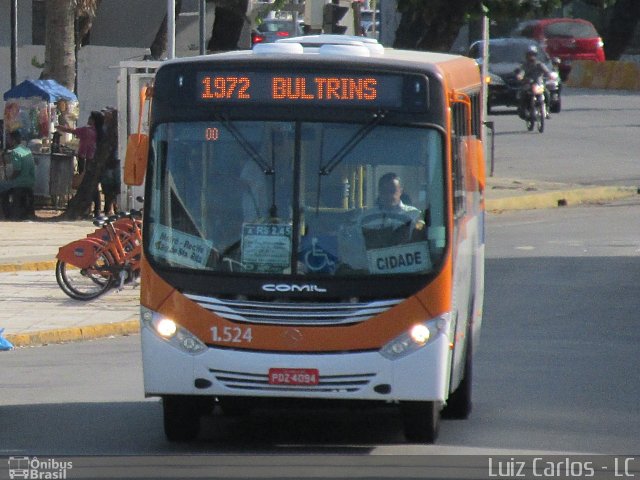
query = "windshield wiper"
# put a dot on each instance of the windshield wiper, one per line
(246, 146)
(350, 144)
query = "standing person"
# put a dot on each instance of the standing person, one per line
(89, 136)
(110, 182)
(22, 177)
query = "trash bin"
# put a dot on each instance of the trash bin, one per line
(61, 174)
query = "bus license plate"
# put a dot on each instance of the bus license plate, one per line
(293, 376)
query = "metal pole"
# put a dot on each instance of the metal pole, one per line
(171, 29)
(203, 25)
(491, 126)
(294, 17)
(485, 59)
(14, 42)
(485, 88)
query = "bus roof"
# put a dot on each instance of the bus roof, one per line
(332, 49)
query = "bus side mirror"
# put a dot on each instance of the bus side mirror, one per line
(135, 162)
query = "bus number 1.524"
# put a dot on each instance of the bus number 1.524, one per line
(231, 334)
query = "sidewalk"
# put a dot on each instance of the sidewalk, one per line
(34, 311)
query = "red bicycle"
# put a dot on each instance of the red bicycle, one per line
(107, 257)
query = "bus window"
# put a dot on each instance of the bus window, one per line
(221, 182)
(344, 218)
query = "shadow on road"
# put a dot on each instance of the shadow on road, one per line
(135, 428)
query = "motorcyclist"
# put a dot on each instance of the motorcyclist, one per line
(531, 70)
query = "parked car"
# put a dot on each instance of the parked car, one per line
(566, 38)
(505, 56)
(270, 30)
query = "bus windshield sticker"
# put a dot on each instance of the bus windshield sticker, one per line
(408, 258)
(319, 254)
(266, 248)
(179, 248)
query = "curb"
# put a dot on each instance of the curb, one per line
(28, 266)
(559, 198)
(74, 334)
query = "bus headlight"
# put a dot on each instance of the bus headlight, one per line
(166, 328)
(171, 332)
(418, 336)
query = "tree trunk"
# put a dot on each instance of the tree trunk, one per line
(621, 28)
(227, 26)
(432, 25)
(159, 44)
(60, 57)
(86, 14)
(80, 204)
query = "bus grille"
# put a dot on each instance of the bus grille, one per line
(276, 313)
(327, 383)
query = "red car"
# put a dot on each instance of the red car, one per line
(565, 38)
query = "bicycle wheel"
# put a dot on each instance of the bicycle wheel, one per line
(85, 283)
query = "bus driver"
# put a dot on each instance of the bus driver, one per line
(390, 221)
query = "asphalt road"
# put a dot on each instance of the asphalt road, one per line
(594, 140)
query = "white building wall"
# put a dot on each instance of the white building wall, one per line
(98, 70)
(97, 73)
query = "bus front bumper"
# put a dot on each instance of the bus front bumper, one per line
(420, 375)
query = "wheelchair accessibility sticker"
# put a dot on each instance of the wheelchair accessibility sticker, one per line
(319, 254)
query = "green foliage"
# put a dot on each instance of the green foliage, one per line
(275, 6)
(36, 63)
(521, 8)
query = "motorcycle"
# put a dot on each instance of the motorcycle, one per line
(533, 100)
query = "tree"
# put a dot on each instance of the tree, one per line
(159, 45)
(85, 14)
(621, 28)
(434, 24)
(67, 24)
(60, 52)
(230, 16)
(229, 19)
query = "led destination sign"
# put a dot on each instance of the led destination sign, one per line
(383, 91)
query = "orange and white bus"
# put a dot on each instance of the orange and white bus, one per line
(313, 229)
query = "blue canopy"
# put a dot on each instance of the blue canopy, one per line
(49, 90)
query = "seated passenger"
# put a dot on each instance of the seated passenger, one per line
(16, 193)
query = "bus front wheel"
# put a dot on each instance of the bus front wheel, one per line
(181, 417)
(459, 402)
(421, 421)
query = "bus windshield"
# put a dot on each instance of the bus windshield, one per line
(296, 198)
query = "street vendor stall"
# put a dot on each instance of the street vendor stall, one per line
(35, 108)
